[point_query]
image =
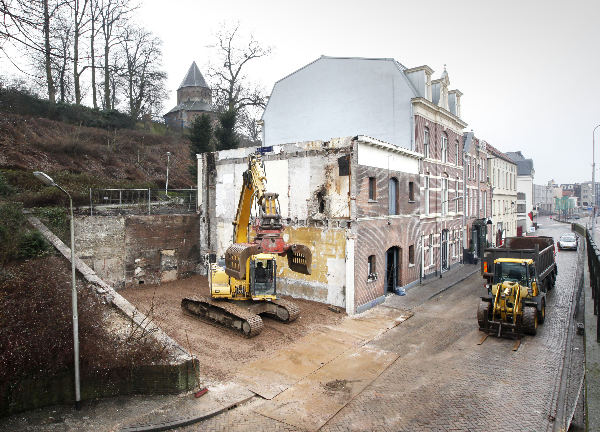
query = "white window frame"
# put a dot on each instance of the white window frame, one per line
(444, 196)
(426, 195)
(426, 141)
(444, 145)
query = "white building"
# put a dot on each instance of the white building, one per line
(341, 96)
(502, 173)
(525, 174)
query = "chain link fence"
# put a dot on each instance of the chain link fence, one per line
(142, 201)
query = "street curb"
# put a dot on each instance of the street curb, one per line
(183, 421)
(451, 285)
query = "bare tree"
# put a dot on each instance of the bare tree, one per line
(144, 79)
(80, 21)
(231, 89)
(94, 30)
(112, 19)
(28, 23)
(62, 39)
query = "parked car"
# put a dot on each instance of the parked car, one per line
(576, 216)
(567, 241)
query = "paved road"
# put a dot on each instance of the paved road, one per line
(443, 380)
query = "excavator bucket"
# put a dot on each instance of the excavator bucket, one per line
(299, 258)
(236, 257)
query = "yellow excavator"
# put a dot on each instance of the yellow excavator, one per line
(246, 286)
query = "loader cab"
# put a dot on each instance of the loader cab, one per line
(512, 270)
(263, 276)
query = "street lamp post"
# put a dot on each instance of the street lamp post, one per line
(167, 182)
(594, 179)
(46, 179)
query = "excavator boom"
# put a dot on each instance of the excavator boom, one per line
(268, 226)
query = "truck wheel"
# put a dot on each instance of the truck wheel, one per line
(530, 320)
(483, 314)
(542, 313)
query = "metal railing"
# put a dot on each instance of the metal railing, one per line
(142, 201)
(593, 253)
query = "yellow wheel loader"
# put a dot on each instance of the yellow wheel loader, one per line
(245, 285)
(518, 275)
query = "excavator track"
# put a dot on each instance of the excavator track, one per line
(225, 314)
(292, 311)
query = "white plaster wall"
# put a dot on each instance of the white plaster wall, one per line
(381, 158)
(277, 181)
(334, 97)
(525, 185)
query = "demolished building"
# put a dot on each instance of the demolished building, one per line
(353, 201)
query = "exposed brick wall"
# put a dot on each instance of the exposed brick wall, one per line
(380, 206)
(377, 232)
(161, 247)
(376, 237)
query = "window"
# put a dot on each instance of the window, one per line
(372, 189)
(444, 196)
(393, 196)
(411, 191)
(430, 249)
(426, 143)
(457, 153)
(411, 255)
(371, 270)
(444, 156)
(466, 203)
(520, 208)
(426, 195)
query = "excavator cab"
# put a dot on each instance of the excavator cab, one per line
(263, 275)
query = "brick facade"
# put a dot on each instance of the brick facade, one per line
(441, 221)
(378, 233)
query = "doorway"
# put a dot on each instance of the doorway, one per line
(444, 249)
(393, 267)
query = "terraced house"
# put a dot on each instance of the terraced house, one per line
(405, 107)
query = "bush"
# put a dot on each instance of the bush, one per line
(22, 102)
(36, 326)
(17, 242)
(5, 188)
(33, 245)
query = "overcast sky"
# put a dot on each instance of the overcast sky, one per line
(529, 70)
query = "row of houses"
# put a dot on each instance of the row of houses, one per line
(376, 174)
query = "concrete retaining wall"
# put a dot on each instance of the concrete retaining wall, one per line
(131, 249)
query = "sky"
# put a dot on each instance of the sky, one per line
(529, 69)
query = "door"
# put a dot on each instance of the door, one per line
(444, 250)
(393, 268)
(475, 241)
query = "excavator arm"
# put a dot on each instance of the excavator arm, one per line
(268, 226)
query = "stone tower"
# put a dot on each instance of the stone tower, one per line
(194, 98)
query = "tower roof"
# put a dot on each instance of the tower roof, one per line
(193, 78)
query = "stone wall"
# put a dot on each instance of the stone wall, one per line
(131, 249)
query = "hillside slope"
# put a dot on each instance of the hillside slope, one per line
(86, 157)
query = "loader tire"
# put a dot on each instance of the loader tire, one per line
(542, 313)
(483, 314)
(530, 320)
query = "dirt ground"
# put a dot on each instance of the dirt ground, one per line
(222, 353)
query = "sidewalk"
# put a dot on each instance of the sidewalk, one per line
(592, 359)
(429, 288)
(292, 384)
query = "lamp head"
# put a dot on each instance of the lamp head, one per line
(44, 178)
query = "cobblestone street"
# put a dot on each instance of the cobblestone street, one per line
(443, 380)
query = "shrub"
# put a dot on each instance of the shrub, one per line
(32, 245)
(22, 102)
(12, 226)
(36, 332)
(5, 188)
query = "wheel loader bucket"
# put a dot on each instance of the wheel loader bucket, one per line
(299, 258)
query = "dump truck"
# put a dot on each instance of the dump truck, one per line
(518, 275)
